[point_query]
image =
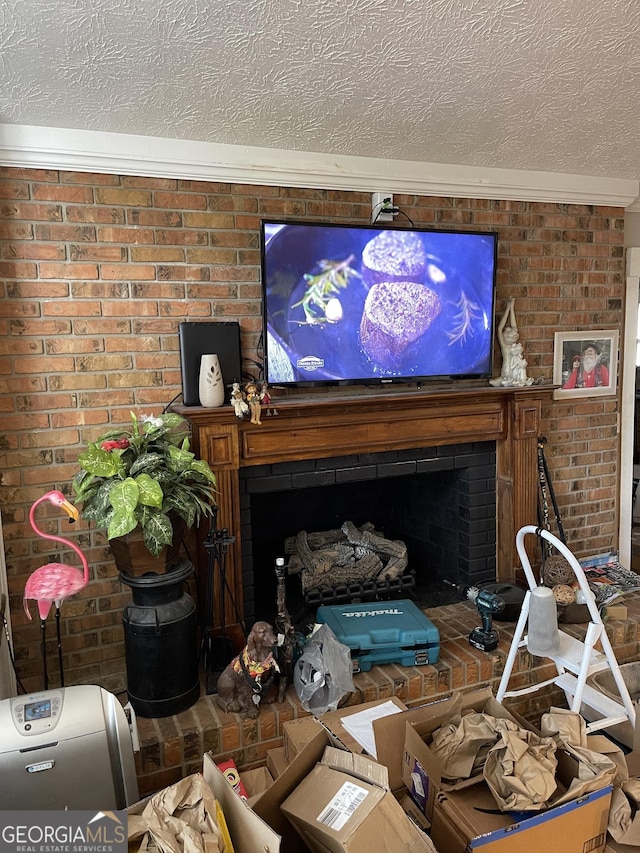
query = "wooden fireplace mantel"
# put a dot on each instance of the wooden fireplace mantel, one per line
(323, 426)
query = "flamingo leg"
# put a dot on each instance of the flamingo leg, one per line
(43, 629)
(59, 646)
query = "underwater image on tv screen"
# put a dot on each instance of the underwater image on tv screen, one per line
(373, 304)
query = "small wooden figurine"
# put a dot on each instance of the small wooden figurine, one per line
(253, 399)
(238, 401)
(265, 399)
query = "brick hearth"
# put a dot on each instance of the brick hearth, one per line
(172, 747)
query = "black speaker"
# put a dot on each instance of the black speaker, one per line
(197, 339)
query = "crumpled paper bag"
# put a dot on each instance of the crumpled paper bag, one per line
(624, 815)
(521, 771)
(595, 771)
(594, 752)
(565, 726)
(462, 743)
(180, 819)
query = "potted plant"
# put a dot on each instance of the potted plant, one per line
(142, 483)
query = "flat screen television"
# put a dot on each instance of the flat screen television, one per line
(376, 304)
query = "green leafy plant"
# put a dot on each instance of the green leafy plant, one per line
(135, 477)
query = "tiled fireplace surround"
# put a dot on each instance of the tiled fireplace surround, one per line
(341, 428)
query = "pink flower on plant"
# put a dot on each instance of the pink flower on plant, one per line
(115, 444)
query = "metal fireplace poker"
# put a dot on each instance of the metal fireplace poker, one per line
(217, 651)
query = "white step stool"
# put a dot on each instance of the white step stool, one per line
(576, 660)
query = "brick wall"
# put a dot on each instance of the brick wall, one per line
(98, 270)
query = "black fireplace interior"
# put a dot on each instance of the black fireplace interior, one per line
(440, 501)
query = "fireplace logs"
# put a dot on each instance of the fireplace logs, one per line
(348, 557)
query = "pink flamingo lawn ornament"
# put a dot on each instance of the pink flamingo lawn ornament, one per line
(52, 583)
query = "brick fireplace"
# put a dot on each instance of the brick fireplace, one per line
(335, 425)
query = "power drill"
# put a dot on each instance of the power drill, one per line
(488, 603)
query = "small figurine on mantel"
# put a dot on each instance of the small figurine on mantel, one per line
(265, 399)
(514, 364)
(238, 401)
(253, 399)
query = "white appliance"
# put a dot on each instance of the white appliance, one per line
(66, 748)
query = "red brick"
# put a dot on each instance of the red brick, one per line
(14, 189)
(34, 251)
(68, 271)
(53, 192)
(125, 235)
(113, 215)
(180, 201)
(30, 212)
(127, 272)
(123, 197)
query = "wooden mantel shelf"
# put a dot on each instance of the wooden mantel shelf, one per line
(314, 426)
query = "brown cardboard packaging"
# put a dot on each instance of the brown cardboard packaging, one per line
(615, 847)
(256, 782)
(306, 739)
(345, 805)
(297, 734)
(332, 720)
(420, 768)
(277, 761)
(248, 832)
(412, 810)
(624, 815)
(466, 820)
(267, 804)
(389, 738)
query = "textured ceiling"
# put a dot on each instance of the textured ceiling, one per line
(516, 84)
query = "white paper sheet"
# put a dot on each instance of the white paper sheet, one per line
(360, 725)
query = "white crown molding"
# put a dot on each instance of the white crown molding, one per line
(24, 146)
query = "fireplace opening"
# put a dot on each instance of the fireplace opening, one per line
(440, 501)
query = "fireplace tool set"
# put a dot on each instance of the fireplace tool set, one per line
(217, 651)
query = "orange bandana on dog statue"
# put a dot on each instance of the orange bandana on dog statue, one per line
(256, 669)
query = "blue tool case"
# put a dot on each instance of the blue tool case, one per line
(383, 632)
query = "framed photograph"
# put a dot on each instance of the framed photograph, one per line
(585, 364)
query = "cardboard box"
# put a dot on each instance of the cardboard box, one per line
(466, 820)
(248, 832)
(615, 847)
(256, 782)
(296, 734)
(306, 739)
(413, 812)
(420, 768)
(267, 804)
(345, 805)
(332, 721)
(277, 761)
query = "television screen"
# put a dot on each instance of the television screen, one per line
(347, 304)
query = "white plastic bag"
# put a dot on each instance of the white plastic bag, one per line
(322, 674)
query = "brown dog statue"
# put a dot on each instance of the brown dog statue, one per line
(242, 684)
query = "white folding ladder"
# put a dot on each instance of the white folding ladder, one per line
(576, 660)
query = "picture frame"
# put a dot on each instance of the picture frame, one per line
(585, 363)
